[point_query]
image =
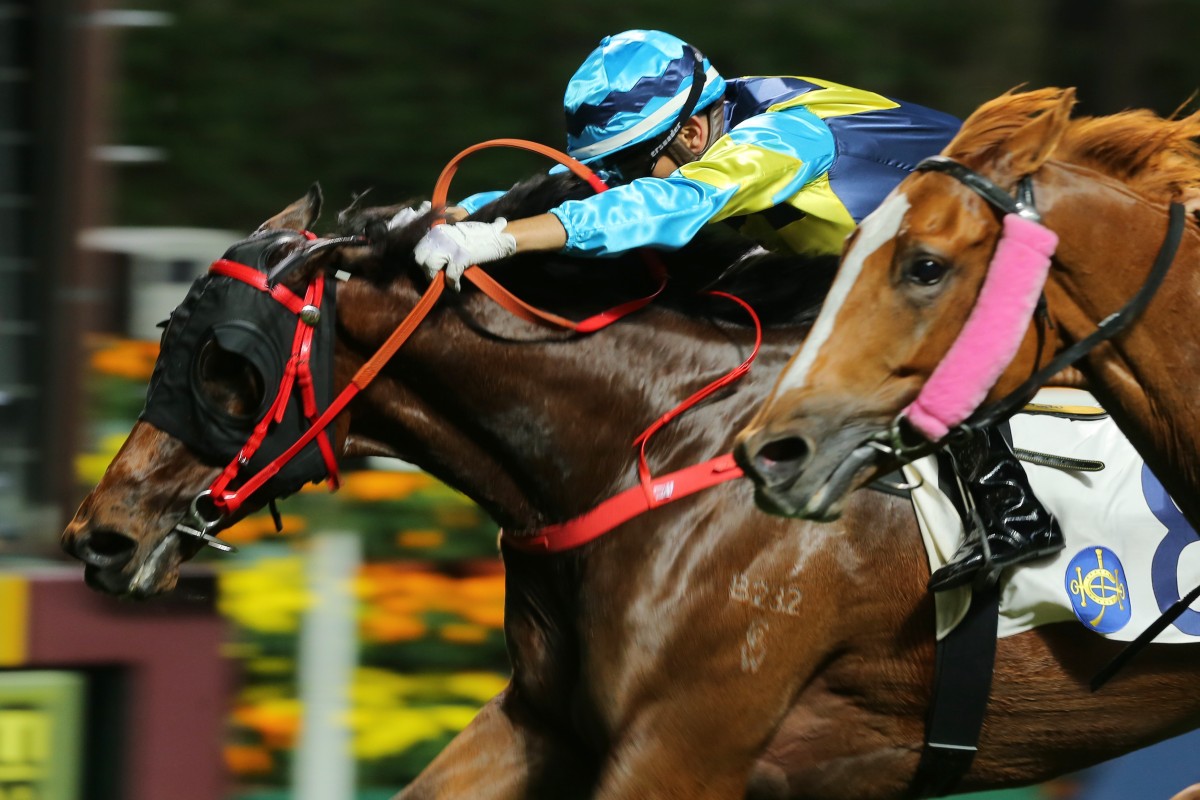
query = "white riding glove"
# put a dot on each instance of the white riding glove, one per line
(455, 247)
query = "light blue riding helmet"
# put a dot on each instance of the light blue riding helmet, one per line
(637, 86)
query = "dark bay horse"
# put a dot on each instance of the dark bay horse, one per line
(911, 274)
(701, 650)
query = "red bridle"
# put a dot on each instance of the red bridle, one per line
(650, 492)
(297, 375)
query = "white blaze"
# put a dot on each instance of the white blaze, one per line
(880, 227)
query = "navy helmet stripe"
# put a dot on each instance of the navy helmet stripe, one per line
(636, 98)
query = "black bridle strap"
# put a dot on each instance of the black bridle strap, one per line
(1108, 328)
(1022, 205)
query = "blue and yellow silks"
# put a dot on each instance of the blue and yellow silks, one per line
(803, 162)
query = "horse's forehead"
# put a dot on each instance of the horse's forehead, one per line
(880, 227)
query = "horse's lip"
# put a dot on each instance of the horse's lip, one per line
(773, 502)
(826, 503)
(146, 580)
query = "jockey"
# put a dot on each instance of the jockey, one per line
(795, 163)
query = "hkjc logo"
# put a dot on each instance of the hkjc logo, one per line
(1096, 589)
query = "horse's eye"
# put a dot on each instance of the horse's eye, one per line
(925, 271)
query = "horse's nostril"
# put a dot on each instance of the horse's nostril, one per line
(105, 548)
(791, 450)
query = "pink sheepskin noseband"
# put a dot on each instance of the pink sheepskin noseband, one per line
(993, 332)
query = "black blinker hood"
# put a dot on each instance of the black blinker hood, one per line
(253, 325)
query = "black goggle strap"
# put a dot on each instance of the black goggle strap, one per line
(297, 372)
(689, 105)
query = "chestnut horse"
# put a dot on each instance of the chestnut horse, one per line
(911, 274)
(701, 650)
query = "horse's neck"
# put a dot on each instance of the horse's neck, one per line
(1109, 238)
(538, 428)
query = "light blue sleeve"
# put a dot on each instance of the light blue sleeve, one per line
(648, 212)
(757, 165)
(477, 201)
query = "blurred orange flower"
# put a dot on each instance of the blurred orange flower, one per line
(372, 485)
(277, 721)
(398, 593)
(248, 759)
(253, 528)
(420, 539)
(392, 628)
(125, 358)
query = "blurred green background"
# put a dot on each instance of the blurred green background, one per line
(252, 101)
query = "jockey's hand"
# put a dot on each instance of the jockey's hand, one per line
(455, 247)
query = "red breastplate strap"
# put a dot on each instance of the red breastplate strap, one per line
(651, 492)
(625, 506)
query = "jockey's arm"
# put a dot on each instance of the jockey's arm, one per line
(536, 234)
(757, 165)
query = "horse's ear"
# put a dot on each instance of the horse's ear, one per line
(300, 215)
(1033, 142)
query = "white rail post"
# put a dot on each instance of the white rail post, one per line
(324, 764)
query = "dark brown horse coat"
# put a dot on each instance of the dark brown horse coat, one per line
(703, 650)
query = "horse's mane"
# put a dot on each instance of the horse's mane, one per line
(784, 289)
(1153, 155)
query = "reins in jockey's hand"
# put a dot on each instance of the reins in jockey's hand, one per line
(176, 405)
(651, 492)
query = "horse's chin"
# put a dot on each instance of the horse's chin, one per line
(820, 499)
(154, 575)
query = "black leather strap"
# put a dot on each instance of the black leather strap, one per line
(1108, 328)
(1144, 638)
(962, 684)
(689, 104)
(982, 186)
(1022, 205)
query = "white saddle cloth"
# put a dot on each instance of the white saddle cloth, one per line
(1129, 552)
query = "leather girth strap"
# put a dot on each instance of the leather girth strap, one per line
(962, 683)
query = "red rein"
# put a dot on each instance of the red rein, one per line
(650, 493)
